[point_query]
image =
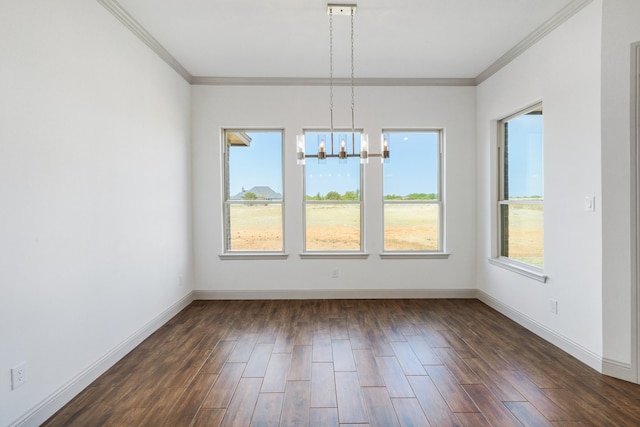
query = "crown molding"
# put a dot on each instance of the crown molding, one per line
(554, 22)
(325, 81)
(551, 24)
(123, 16)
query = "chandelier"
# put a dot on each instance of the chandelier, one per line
(323, 150)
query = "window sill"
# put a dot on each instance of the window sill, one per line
(252, 256)
(414, 255)
(530, 272)
(334, 255)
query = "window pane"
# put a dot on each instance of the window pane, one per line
(523, 157)
(253, 172)
(331, 175)
(412, 169)
(411, 174)
(255, 227)
(332, 227)
(254, 165)
(410, 227)
(522, 233)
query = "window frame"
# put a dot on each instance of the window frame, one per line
(227, 252)
(512, 264)
(439, 202)
(310, 254)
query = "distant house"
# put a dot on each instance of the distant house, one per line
(262, 192)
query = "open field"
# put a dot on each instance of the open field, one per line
(408, 227)
(526, 234)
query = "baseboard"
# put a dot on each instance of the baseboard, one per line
(334, 294)
(576, 350)
(620, 370)
(49, 406)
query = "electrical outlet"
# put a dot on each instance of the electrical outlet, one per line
(335, 273)
(18, 375)
(553, 306)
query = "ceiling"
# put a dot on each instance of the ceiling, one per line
(398, 39)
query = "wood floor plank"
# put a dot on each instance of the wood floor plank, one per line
(432, 402)
(243, 349)
(222, 391)
(380, 408)
(243, 403)
(407, 358)
(457, 366)
(342, 355)
(409, 412)
(351, 407)
(209, 418)
(187, 406)
(300, 369)
(323, 417)
(528, 414)
(423, 351)
(472, 419)
(494, 411)
(358, 338)
(496, 383)
(323, 387)
(258, 361)
(218, 357)
(451, 391)
(536, 396)
(322, 349)
(296, 404)
(367, 368)
(284, 339)
(456, 343)
(393, 376)
(275, 377)
(268, 410)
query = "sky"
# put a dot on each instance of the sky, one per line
(411, 168)
(525, 151)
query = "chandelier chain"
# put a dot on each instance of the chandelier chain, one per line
(331, 72)
(353, 102)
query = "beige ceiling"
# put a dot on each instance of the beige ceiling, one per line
(393, 38)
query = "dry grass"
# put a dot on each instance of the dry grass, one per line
(336, 227)
(526, 235)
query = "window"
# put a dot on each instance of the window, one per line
(412, 191)
(520, 201)
(253, 207)
(332, 187)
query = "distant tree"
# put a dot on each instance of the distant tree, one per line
(422, 196)
(332, 195)
(351, 195)
(392, 197)
(249, 195)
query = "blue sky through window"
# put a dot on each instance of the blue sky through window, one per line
(412, 166)
(525, 155)
(259, 164)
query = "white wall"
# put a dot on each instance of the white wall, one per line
(94, 189)
(563, 71)
(620, 30)
(295, 108)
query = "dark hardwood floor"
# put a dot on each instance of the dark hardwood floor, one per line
(349, 362)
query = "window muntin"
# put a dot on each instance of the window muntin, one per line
(333, 206)
(521, 198)
(412, 191)
(253, 177)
